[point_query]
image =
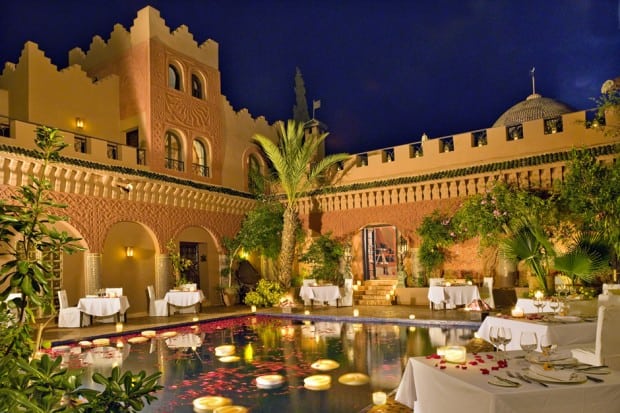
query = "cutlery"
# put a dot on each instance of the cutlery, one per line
(595, 379)
(505, 380)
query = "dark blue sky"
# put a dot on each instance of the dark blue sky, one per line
(385, 71)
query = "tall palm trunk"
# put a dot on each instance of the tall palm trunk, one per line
(287, 252)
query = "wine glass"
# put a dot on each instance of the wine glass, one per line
(528, 342)
(539, 303)
(494, 337)
(505, 336)
(554, 304)
(546, 345)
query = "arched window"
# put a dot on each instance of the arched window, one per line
(255, 178)
(196, 87)
(174, 79)
(199, 159)
(174, 154)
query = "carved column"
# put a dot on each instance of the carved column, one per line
(93, 272)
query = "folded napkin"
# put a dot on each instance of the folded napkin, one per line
(558, 375)
(559, 355)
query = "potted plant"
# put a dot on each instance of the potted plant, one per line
(178, 264)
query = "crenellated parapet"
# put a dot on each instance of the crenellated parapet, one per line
(147, 25)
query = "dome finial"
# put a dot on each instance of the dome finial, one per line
(533, 80)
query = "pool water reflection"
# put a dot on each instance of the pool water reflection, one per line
(190, 367)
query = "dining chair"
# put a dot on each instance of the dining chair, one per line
(114, 292)
(606, 349)
(307, 282)
(70, 317)
(157, 307)
(347, 293)
(486, 291)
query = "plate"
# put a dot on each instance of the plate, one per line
(578, 378)
(565, 318)
(354, 379)
(538, 358)
(325, 365)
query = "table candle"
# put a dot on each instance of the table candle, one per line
(411, 316)
(455, 354)
(517, 312)
(359, 283)
(253, 308)
(539, 294)
(307, 312)
(356, 312)
(379, 398)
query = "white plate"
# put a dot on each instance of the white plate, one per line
(566, 318)
(540, 359)
(578, 378)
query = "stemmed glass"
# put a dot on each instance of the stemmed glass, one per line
(546, 345)
(554, 304)
(494, 337)
(505, 336)
(528, 342)
(539, 303)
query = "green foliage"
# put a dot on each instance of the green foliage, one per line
(437, 235)
(261, 229)
(27, 232)
(266, 294)
(296, 168)
(178, 264)
(587, 257)
(324, 255)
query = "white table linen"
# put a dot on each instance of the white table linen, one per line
(584, 308)
(103, 306)
(453, 295)
(184, 300)
(428, 389)
(322, 293)
(561, 334)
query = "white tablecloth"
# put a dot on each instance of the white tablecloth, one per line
(452, 389)
(103, 306)
(320, 292)
(453, 295)
(585, 308)
(184, 298)
(561, 334)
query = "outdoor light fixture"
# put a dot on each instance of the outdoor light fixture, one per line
(79, 123)
(129, 252)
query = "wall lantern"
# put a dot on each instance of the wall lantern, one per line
(129, 252)
(79, 123)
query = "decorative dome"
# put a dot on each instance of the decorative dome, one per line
(534, 107)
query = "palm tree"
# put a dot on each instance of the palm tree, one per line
(297, 170)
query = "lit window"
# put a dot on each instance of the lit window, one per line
(199, 159)
(173, 152)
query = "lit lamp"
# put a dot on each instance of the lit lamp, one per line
(79, 123)
(253, 308)
(379, 398)
(129, 252)
(539, 295)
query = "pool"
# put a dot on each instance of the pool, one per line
(225, 358)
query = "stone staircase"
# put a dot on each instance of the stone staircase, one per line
(374, 292)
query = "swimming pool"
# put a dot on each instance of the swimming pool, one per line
(225, 358)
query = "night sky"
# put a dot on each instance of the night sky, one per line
(385, 71)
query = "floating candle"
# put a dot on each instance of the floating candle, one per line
(379, 398)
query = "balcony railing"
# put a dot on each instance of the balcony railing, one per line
(175, 164)
(200, 170)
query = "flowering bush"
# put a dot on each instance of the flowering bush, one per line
(178, 263)
(267, 293)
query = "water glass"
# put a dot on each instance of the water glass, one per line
(528, 342)
(539, 303)
(505, 336)
(493, 337)
(546, 345)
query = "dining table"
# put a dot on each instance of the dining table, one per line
(452, 296)
(320, 293)
(109, 308)
(430, 385)
(184, 301)
(562, 331)
(585, 308)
